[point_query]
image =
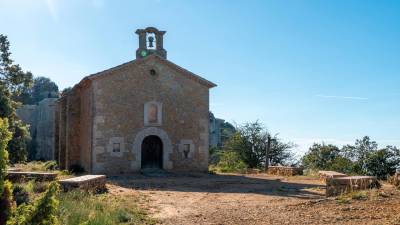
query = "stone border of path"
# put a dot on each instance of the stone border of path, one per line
(285, 170)
(94, 183)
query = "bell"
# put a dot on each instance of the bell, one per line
(151, 40)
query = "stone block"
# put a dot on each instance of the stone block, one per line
(94, 183)
(339, 185)
(285, 171)
(326, 174)
(14, 176)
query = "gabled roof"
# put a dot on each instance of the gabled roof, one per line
(166, 62)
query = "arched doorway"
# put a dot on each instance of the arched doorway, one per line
(152, 152)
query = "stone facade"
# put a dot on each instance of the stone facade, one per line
(103, 121)
(41, 120)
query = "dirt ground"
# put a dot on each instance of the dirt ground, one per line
(254, 199)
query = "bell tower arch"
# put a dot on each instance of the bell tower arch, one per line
(150, 42)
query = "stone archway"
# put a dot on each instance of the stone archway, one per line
(136, 165)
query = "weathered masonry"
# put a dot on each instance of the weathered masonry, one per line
(146, 113)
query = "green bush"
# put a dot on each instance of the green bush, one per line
(82, 208)
(20, 195)
(50, 165)
(42, 212)
(230, 161)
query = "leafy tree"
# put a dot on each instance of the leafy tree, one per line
(359, 153)
(42, 88)
(383, 162)
(12, 82)
(250, 141)
(320, 156)
(5, 186)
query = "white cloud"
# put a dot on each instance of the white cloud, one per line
(342, 97)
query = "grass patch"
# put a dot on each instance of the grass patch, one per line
(359, 195)
(78, 208)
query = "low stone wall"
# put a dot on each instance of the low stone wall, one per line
(285, 171)
(339, 185)
(93, 183)
(15, 176)
(324, 175)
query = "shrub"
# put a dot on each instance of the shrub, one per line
(51, 165)
(20, 194)
(230, 161)
(6, 203)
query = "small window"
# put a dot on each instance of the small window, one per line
(153, 72)
(186, 150)
(116, 147)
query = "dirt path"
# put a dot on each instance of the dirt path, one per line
(253, 199)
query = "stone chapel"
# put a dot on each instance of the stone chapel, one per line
(146, 113)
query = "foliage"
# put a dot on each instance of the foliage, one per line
(5, 186)
(383, 162)
(11, 75)
(230, 161)
(363, 158)
(6, 202)
(42, 88)
(77, 207)
(12, 81)
(43, 211)
(250, 141)
(50, 165)
(17, 147)
(5, 136)
(20, 195)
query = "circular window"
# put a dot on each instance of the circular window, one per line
(153, 72)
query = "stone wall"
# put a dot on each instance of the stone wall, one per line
(285, 171)
(119, 100)
(41, 121)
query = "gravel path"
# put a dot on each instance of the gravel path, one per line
(254, 199)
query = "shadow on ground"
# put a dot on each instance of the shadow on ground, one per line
(223, 183)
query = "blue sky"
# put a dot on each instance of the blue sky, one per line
(309, 70)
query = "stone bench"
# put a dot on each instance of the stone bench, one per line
(15, 176)
(285, 170)
(339, 185)
(95, 183)
(326, 174)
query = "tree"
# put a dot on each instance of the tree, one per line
(42, 88)
(320, 156)
(383, 162)
(5, 186)
(12, 82)
(360, 152)
(250, 141)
